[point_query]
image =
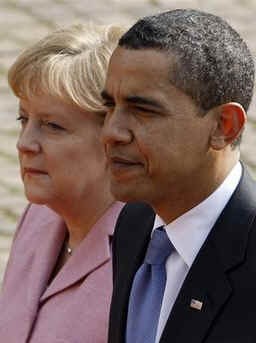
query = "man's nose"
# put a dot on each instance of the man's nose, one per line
(28, 141)
(116, 129)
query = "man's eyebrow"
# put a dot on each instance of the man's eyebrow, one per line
(138, 100)
(134, 99)
(106, 96)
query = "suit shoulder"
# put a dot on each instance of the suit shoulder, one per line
(134, 212)
(136, 208)
(134, 218)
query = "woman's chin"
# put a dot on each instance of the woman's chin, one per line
(38, 192)
(36, 198)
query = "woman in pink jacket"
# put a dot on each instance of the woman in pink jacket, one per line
(58, 281)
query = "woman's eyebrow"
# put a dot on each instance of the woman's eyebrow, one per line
(21, 109)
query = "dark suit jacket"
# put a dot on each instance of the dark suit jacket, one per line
(223, 275)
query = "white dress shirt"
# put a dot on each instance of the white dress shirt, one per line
(187, 234)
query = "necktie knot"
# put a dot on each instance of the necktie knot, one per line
(159, 248)
(148, 290)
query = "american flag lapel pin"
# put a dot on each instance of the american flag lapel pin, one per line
(196, 304)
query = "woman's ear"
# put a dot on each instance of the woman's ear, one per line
(231, 118)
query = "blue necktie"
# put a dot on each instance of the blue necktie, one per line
(148, 290)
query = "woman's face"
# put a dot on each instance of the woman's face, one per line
(61, 158)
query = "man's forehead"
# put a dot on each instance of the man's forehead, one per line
(134, 58)
(140, 77)
(134, 69)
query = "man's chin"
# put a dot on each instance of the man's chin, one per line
(125, 192)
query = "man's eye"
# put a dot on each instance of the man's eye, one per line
(109, 104)
(143, 109)
(22, 119)
(145, 112)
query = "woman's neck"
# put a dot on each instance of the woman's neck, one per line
(80, 217)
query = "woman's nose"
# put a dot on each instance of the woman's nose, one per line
(28, 141)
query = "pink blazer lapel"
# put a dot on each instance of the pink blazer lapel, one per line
(45, 258)
(46, 231)
(93, 252)
(35, 250)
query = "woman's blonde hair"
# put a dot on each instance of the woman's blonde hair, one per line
(70, 64)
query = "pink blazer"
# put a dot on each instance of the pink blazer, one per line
(74, 307)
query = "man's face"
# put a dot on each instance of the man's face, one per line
(156, 143)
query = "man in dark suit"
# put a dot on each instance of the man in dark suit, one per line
(177, 91)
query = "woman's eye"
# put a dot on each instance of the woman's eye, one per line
(53, 126)
(22, 119)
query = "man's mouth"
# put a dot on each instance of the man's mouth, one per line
(118, 164)
(122, 161)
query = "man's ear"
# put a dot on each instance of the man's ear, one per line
(230, 120)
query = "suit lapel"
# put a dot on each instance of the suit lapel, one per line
(206, 283)
(207, 280)
(135, 233)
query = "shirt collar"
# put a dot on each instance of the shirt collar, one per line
(189, 231)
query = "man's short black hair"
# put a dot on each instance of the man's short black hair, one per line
(209, 60)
